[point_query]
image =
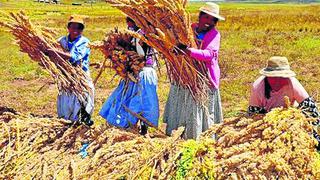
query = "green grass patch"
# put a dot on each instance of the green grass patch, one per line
(308, 43)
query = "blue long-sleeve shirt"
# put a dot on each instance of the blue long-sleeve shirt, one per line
(78, 49)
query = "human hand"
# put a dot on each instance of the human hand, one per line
(50, 52)
(180, 49)
(182, 46)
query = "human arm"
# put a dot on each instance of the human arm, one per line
(207, 54)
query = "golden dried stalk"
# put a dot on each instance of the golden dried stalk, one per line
(42, 148)
(279, 146)
(117, 48)
(112, 152)
(35, 41)
(166, 24)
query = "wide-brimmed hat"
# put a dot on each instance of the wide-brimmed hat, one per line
(76, 19)
(278, 66)
(212, 9)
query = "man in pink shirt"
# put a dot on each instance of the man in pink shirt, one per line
(276, 82)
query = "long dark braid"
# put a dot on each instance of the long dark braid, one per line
(267, 88)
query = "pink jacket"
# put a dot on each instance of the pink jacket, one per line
(293, 90)
(209, 54)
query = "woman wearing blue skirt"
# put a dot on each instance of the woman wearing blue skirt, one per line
(132, 100)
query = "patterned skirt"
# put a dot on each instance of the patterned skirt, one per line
(182, 110)
(68, 104)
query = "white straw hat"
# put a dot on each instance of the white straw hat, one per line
(212, 9)
(278, 66)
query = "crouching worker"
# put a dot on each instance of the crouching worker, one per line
(132, 102)
(77, 51)
(276, 82)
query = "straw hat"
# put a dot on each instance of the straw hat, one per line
(76, 19)
(278, 67)
(212, 9)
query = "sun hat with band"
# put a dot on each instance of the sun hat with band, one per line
(212, 9)
(76, 19)
(278, 66)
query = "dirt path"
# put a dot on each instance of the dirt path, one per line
(39, 96)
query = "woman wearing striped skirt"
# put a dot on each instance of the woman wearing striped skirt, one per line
(181, 109)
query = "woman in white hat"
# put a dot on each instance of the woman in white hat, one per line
(181, 109)
(77, 52)
(276, 82)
